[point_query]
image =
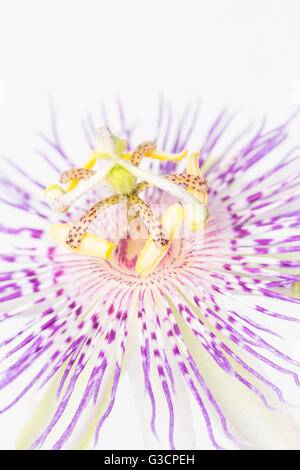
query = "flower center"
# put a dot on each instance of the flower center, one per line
(190, 189)
(128, 252)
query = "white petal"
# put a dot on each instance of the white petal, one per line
(262, 428)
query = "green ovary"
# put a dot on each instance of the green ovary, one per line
(121, 181)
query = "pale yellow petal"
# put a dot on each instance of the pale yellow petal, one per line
(42, 414)
(257, 426)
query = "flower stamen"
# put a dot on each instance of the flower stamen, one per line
(76, 173)
(78, 230)
(61, 203)
(196, 212)
(89, 165)
(189, 181)
(138, 207)
(140, 151)
(192, 168)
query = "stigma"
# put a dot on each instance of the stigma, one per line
(122, 175)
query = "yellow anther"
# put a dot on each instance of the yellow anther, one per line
(164, 156)
(90, 245)
(151, 255)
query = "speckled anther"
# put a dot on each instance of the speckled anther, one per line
(189, 181)
(77, 231)
(192, 168)
(140, 151)
(89, 165)
(137, 207)
(198, 183)
(76, 173)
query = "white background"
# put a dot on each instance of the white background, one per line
(237, 53)
(242, 54)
